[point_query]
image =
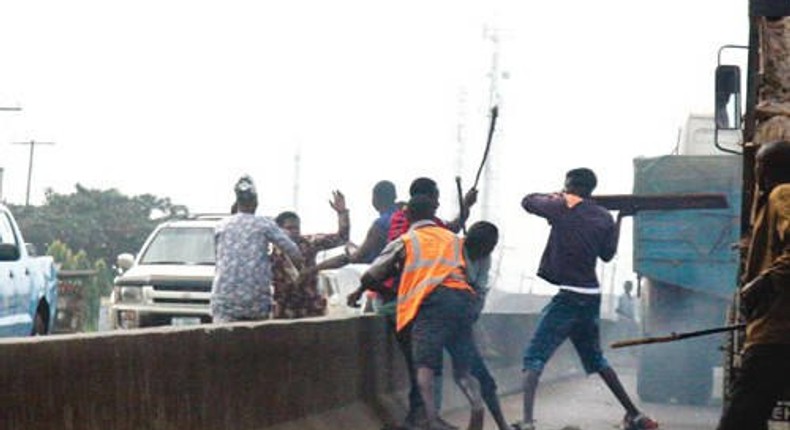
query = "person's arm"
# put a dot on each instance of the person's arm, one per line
(386, 265)
(758, 291)
(544, 205)
(469, 200)
(780, 267)
(375, 239)
(613, 239)
(281, 240)
(332, 240)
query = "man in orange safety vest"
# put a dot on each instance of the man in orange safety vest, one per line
(435, 299)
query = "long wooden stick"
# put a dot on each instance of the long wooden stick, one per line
(491, 127)
(675, 336)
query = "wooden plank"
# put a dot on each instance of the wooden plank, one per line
(662, 202)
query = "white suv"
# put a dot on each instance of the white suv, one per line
(169, 281)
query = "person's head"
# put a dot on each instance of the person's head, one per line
(772, 164)
(420, 207)
(289, 221)
(580, 182)
(627, 287)
(246, 195)
(424, 187)
(481, 239)
(383, 195)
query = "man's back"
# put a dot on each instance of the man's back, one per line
(241, 285)
(580, 234)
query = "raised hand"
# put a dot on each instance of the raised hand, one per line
(338, 201)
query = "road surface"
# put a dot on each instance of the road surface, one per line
(587, 404)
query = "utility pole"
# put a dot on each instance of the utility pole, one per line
(32, 144)
(6, 109)
(492, 35)
(297, 176)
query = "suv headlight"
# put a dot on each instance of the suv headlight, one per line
(130, 294)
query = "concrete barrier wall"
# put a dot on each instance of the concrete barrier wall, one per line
(306, 374)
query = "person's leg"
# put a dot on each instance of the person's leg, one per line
(586, 338)
(488, 388)
(765, 371)
(438, 394)
(530, 387)
(416, 407)
(425, 381)
(462, 350)
(609, 376)
(430, 330)
(554, 326)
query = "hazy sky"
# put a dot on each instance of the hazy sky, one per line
(179, 98)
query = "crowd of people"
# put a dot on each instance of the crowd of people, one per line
(430, 284)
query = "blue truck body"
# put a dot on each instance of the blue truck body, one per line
(687, 264)
(28, 284)
(692, 249)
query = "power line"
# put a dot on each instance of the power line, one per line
(32, 144)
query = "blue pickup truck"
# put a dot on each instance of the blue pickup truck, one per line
(28, 284)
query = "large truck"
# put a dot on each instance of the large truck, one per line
(766, 119)
(689, 262)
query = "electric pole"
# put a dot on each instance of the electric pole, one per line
(6, 109)
(32, 144)
(494, 98)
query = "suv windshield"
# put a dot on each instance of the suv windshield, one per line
(183, 245)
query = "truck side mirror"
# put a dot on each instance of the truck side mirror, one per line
(9, 252)
(728, 97)
(125, 261)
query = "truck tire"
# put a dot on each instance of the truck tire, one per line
(41, 320)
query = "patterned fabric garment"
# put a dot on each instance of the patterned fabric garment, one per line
(242, 285)
(303, 299)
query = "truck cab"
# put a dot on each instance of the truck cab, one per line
(28, 284)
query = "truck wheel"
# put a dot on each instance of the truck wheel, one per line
(40, 321)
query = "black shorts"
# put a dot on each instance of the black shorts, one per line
(444, 320)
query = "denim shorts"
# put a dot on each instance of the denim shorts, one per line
(568, 315)
(444, 320)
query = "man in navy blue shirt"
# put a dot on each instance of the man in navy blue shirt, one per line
(581, 232)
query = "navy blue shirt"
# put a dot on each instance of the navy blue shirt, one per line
(579, 236)
(382, 227)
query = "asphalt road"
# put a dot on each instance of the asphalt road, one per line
(586, 403)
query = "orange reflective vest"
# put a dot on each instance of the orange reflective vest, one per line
(433, 257)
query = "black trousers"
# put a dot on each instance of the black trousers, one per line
(763, 378)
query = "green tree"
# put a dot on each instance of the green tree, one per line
(100, 223)
(90, 288)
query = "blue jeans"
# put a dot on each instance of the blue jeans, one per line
(568, 315)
